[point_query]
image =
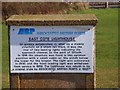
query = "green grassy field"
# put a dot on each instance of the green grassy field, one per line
(5, 58)
(0, 56)
(106, 48)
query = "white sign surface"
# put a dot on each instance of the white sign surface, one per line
(51, 49)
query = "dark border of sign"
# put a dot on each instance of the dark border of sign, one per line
(78, 88)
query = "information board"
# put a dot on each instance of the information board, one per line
(51, 49)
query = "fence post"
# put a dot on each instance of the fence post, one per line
(107, 4)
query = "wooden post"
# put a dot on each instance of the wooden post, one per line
(72, 80)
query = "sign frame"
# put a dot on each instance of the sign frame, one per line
(25, 80)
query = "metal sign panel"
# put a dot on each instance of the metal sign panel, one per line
(51, 49)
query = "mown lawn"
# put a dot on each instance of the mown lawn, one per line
(106, 48)
(0, 56)
(5, 58)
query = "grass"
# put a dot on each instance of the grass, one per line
(5, 58)
(106, 48)
(0, 55)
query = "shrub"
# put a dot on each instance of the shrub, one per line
(12, 8)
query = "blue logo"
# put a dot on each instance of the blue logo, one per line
(26, 31)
